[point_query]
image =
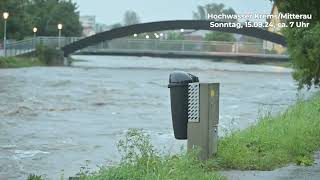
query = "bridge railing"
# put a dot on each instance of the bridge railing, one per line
(136, 45)
(156, 45)
(30, 44)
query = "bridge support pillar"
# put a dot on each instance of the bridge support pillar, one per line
(65, 61)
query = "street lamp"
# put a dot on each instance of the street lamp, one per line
(34, 36)
(5, 17)
(156, 35)
(34, 31)
(59, 40)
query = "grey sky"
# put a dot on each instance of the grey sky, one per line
(111, 11)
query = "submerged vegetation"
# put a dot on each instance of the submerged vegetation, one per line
(43, 56)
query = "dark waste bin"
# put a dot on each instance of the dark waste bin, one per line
(178, 84)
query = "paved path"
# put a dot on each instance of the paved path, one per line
(291, 172)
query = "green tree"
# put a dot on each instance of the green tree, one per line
(250, 39)
(303, 42)
(214, 8)
(219, 36)
(116, 25)
(18, 23)
(43, 14)
(131, 17)
(48, 13)
(175, 36)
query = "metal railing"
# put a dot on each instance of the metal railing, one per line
(30, 44)
(156, 45)
(140, 45)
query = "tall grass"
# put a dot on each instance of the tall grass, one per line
(15, 62)
(140, 161)
(291, 137)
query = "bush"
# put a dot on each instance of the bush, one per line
(303, 42)
(175, 36)
(49, 56)
(304, 49)
(141, 161)
(18, 62)
(34, 177)
(219, 36)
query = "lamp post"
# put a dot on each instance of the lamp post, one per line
(5, 17)
(59, 40)
(34, 36)
(35, 32)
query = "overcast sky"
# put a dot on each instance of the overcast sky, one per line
(111, 11)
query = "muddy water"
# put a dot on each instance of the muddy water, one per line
(54, 119)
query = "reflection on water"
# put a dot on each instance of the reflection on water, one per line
(56, 118)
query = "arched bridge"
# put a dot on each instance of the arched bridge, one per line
(169, 25)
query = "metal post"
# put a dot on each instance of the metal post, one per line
(203, 131)
(59, 39)
(5, 38)
(34, 40)
(182, 48)
(145, 45)
(156, 45)
(237, 47)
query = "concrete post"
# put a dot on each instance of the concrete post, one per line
(203, 131)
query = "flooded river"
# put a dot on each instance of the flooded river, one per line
(56, 118)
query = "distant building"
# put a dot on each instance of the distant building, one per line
(102, 27)
(276, 29)
(89, 25)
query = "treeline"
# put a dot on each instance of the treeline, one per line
(303, 42)
(43, 14)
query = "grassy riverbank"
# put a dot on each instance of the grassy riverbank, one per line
(286, 64)
(18, 62)
(42, 56)
(291, 137)
(275, 141)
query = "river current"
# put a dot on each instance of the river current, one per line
(60, 118)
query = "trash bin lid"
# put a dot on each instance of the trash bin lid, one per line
(180, 78)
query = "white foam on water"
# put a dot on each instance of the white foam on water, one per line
(8, 146)
(20, 154)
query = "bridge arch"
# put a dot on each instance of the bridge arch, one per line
(170, 25)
